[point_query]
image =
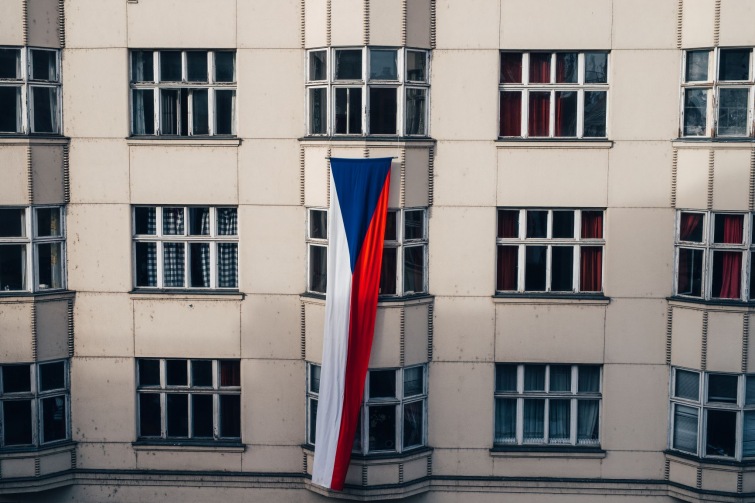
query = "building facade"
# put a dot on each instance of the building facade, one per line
(565, 301)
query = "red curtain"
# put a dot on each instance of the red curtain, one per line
(732, 228)
(508, 223)
(511, 67)
(592, 225)
(230, 373)
(508, 259)
(591, 269)
(539, 113)
(540, 68)
(731, 275)
(689, 226)
(511, 113)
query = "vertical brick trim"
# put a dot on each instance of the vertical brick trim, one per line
(674, 167)
(751, 201)
(366, 21)
(430, 465)
(304, 462)
(431, 176)
(740, 482)
(679, 22)
(61, 23)
(402, 189)
(34, 331)
(430, 330)
(29, 175)
(699, 481)
(711, 173)
(303, 23)
(401, 473)
(364, 475)
(328, 18)
(66, 175)
(327, 176)
(303, 330)
(25, 20)
(70, 328)
(402, 337)
(301, 175)
(366, 152)
(704, 348)
(717, 23)
(745, 341)
(404, 21)
(37, 469)
(432, 25)
(73, 459)
(666, 469)
(669, 326)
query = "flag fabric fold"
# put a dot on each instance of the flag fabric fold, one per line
(356, 223)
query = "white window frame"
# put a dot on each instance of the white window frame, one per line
(313, 242)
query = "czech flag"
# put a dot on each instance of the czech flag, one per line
(356, 221)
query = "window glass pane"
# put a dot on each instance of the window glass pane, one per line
(314, 378)
(382, 110)
(10, 64)
(227, 221)
(170, 111)
(16, 378)
(225, 111)
(383, 64)
(228, 265)
(413, 421)
(230, 373)
(416, 66)
(691, 227)
(54, 419)
(414, 224)
(318, 65)
(685, 429)
(511, 68)
(200, 112)
(175, 373)
(727, 275)
(592, 225)
(540, 67)
(750, 394)
(559, 421)
(697, 66)
(687, 385)
(566, 113)
(196, 66)
(201, 373)
(146, 264)
(534, 378)
(199, 221)
(45, 104)
(12, 267)
(318, 268)
(539, 113)
(414, 381)
(732, 112)
(563, 224)
(348, 114)
(511, 113)
(596, 67)
(149, 415)
(589, 379)
(505, 421)
(12, 223)
(48, 222)
(17, 422)
(505, 377)
(142, 66)
(149, 372)
(508, 223)
(728, 229)
(537, 223)
(173, 264)
(748, 441)
(391, 226)
(50, 265)
(201, 416)
(348, 64)
(318, 110)
(414, 269)
(382, 384)
(143, 111)
(388, 272)
(588, 421)
(199, 265)
(178, 414)
(52, 376)
(595, 114)
(534, 420)
(566, 67)
(720, 432)
(44, 65)
(173, 221)
(382, 433)
(734, 64)
(170, 66)
(534, 272)
(10, 104)
(416, 103)
(562, 268)
(560, 378)
(312, 420)
(690, 272)
(225, 66)
(722, 388)
(230, 416)
(695, 112)
(318, 224)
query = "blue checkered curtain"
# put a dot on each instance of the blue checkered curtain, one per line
(228, 265)
(146, 264)
(173, 265)
(173, 221)
(205, 249)
(151, 221)
(227, 222)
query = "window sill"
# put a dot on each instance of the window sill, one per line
(188, 446)
(423, 298)
(367, 139)
(542, 451)
(208, 141)
(383, 457)
(683, 456)
(707, 142)
(26, 296)
(33, 139)
(553, 143)
(45, 450)
(736, 305)
(138, 293)
(551, 298)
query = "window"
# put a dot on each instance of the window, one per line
(553, 94)
(367, 91)
(32, 249)
(29, 90)
(717, 87)
(714, 254)
(185, 247)
(183, 93)
(551, 404)
(189, 399)
(550, 250)
(34, 398)
(713, 414)
(392, 418)
(404, 267)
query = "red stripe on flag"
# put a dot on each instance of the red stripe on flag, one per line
(364, 292)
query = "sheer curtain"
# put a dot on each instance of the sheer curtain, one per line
(534, 420)
(748, 443)
(587, 421)
(560, 420)
(685, 428)
(505, 421)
